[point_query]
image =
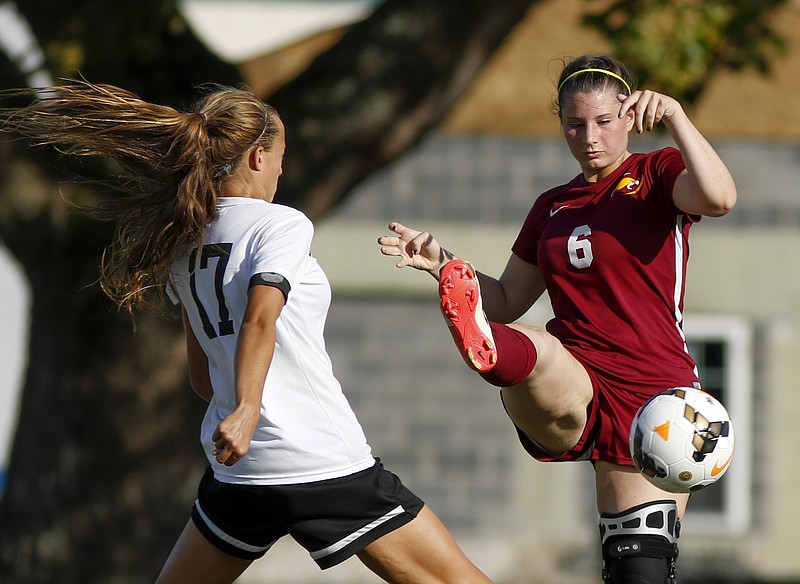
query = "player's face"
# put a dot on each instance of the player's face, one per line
(273, 164)
(597, 137)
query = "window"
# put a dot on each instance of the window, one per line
(721, 346)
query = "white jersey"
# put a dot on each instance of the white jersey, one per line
(308, 431)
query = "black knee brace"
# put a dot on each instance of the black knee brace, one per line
(640, 545)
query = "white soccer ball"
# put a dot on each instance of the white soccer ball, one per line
(681, 440)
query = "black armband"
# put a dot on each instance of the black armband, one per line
(271, 279)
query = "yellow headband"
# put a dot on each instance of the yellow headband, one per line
(604, 71)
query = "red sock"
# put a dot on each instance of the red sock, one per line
(516, 356)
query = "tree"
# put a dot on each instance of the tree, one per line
(105, 460)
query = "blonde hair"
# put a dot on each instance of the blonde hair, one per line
(171, 164)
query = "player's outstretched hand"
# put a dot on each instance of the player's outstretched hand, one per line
(649, 108)
(417, 249)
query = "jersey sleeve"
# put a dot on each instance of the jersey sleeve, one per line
(526, 246)
(282, 247)
(667, 165)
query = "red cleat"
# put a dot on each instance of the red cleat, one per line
(462, 307)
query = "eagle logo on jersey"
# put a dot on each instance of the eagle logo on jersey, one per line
(628, 185)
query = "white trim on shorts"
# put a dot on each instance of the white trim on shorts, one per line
(332, 549)
(227, 538)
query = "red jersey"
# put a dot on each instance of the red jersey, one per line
(613, 255)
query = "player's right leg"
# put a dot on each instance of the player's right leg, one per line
(421, 551)
(228, 530)
(194, 560)
(546, 391)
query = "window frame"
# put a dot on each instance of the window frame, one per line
(737, 335)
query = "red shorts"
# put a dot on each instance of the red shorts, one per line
(608, 422)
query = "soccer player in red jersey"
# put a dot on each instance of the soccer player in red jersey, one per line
(610, 247)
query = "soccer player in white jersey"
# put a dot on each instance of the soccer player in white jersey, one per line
(286, 454)
(610, 248)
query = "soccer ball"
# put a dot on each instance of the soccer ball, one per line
(681, 440)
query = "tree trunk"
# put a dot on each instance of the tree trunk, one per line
(381, 90)
(106, 456)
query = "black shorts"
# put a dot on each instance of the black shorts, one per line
(332, 519)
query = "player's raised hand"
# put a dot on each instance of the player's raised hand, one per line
(417, 249)
(649, 108)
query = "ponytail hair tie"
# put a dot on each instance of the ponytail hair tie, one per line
(591, 70)
(223, 170)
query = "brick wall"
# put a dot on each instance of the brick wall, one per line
(493, 179)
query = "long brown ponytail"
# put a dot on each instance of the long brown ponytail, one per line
(170, 164)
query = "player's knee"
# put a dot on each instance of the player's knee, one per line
(640, 544)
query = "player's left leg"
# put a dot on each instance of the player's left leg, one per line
(194, 560)
(639, 527)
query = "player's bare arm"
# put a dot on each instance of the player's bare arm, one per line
(706, 187)
(507, 299)
(254, 351)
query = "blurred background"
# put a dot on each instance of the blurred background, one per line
(438, 117)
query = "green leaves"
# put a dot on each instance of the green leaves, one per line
(676, 46)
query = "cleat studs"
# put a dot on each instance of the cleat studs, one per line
(450, 308)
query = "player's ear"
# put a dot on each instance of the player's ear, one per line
(255, 158)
